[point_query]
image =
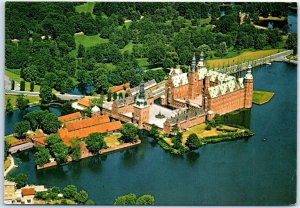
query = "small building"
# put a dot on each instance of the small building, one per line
(27, 195)
(9, 192)
(38, 139)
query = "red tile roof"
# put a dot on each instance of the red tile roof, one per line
(119, 88)
(65, 135)
(70, 117)
(28, 191)
(85, 101)
(80, 124)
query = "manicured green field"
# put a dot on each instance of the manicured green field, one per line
(13, 99)
(128, 47)
(143, 62)
(89, 41)
(244, 57)
(86, 8)
(17, 78)
(261, 97)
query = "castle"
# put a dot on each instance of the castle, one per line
(195, 96)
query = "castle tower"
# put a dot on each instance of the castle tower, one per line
(193, 80)
(201, 63)
(248, 82)
(205, 97)
(141, 108)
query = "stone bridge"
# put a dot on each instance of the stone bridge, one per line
(20, 147)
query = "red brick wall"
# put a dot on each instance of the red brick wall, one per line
(248, 93)
(192, 122)
(227, 103)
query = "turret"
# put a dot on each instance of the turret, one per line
(193, 80)
(248, 82)
(141, 108)
(201, 61)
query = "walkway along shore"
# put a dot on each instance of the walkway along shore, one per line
(11, 166)
(86, 155)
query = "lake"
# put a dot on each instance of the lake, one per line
(258, 171)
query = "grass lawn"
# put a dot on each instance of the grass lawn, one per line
(112, 140)
(6, 164)
(201, 132)
(10, 138)
(244, 57)
(143, 62)
(261, 97)
(89, 41)
(86, 8)
(272, 18)
(58, 201)
(128, 47)
(13, 99)
(15, 75)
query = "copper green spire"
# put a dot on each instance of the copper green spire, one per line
(193, 65)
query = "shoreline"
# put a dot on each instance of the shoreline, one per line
(11, 166)
(87, 155)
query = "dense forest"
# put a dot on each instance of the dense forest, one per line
(41, 39)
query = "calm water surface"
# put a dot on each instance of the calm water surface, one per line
(243, 172)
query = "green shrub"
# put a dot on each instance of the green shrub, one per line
(193, 142)
(22, 85)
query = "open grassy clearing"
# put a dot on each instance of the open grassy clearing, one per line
(89, 41)
(143, 62)
(128, 47)
(244, 57)
(13, 99)
(86, 8)
(6, 164)
(261, 97)
(113, 140)
(15, 75)
(272, 18)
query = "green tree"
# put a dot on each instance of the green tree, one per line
(31, 86)
(22, 85)
(120, 95)
(94, 142)
(21, 180)
(8, 107)
(67, 108)
(45, 93)
(89, 202)
(42, 156)
(81, 51)
(129, 132)
(75, 151)
(21, 128)
(70, 192)
(115, 95)
(108, 96)
(60, 151)
(193, 141)
(29, 74)
(22, 102)
(81, 197)
(53, 139)
(154, 131)
(97, 101)
(12, 84)
(145, 200)
(291, 42)
(50, 123)
(129, 199)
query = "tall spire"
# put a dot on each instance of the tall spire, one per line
(142, 89)
(193, 65)
(202, 56)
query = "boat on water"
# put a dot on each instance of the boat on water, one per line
(268, 63)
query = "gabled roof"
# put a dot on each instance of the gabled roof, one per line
(70, 117)
(28, 191)
(80, 124)
(147, 85)
(119, 87)
(65, 135)
(85, 101)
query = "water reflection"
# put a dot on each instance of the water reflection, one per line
(192, 157)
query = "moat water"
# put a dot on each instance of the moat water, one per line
(257, 171)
